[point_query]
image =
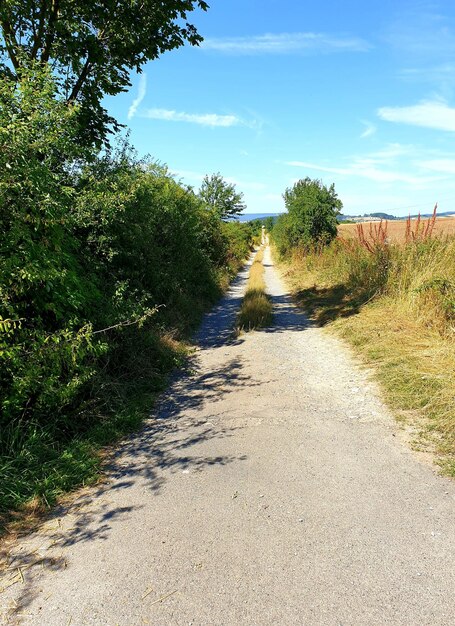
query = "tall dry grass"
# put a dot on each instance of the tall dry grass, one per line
(395, 303)
(256, 309)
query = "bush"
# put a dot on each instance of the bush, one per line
(106, 262)
(311, 217)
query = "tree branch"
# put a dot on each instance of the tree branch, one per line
(10, 42)
(39, 35)
(50, 35)
(85, 72)
(80, 81)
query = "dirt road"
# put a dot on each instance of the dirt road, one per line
(268, 488)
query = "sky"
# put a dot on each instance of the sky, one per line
(359, 94)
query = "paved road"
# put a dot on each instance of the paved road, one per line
(268, 488)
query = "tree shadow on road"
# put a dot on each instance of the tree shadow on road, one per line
(167, 443)
(315, 306)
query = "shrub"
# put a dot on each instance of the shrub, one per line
(311, 217)
(106, 261)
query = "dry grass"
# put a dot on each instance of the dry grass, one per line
(256, 309)
(395, 303)
(396, 230)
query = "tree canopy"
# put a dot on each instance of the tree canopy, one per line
(221, 196)
(311, 217)
(92, 45)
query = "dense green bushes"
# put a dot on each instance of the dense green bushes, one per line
(105, 262)
(311, 217)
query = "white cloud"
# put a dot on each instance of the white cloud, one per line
(435, 114)
(190, 175)
(392, 151)
(443, 72)
(204, 119)
(446, 166)
(142, 89)
(197, 177)
(286, 43)
(365, 168)
(246, 185)
(421, 32)
(370, 129)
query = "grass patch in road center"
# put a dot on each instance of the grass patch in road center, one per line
(256, 309)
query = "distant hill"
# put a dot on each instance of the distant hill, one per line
(248, 217)
(387, 216)
(382, 216)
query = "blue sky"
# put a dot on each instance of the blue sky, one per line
(361, 94)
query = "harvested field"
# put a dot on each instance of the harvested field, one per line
(396, 230)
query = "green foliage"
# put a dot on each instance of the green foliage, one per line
(92, 45)
(45, 357)
(106, 264)
(269, 223)
(221, 197)
(238, 238)
(311, 217)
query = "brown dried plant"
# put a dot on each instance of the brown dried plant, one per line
(376, 237)
(421, 230)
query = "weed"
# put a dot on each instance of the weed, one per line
(256, 309)
(395, 303)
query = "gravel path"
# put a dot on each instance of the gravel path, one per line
(268, 488)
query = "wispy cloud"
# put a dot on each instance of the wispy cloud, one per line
(246, 185)
(370, 130)
(242, 185)
(434, 73)
(446, 166)
(365, 168)
(422, 33)
(141, 92)
(392, 151)
(190, 175)
(204, 119)
(287, 43)
(435, 114)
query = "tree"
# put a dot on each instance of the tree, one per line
(311, 218)
(221, 196)
(313, 208)
(92, 45)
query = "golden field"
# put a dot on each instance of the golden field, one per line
(396, 230)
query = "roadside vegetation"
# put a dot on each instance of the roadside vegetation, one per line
(107, 264)
(394, 301)
(256, 309)
(106, 261)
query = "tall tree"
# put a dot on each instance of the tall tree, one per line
(92, 45)
(221, 196)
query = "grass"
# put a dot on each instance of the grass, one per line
(395, 304)
(51, 465)
(256, 309)
(48, 468)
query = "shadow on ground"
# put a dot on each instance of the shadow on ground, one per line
(326, 304)
(167, 444)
